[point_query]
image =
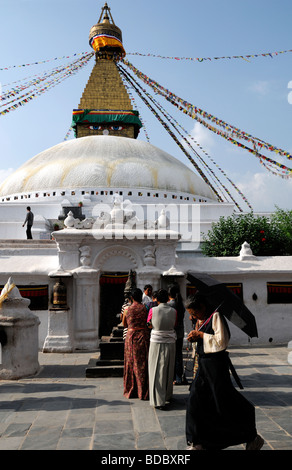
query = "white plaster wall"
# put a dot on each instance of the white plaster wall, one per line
(274, 321)
(43, 326)
(12, 216)
(15, 212)
(190, 220)
(31, 263)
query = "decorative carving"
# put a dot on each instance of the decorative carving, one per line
(246, 252)
(149, 257)
(162, 221)
(121, 216)
(131, 281)
(85, 254)
(111, 253)
(172, 271)
(69, 221)
(117, 213)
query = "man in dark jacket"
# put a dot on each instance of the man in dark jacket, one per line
(29, 221)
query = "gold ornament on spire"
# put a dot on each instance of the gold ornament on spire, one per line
(105, 37)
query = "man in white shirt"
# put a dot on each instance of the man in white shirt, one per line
(147, 294)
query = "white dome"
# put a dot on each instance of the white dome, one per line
(104, 161)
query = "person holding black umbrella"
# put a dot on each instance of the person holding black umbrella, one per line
(218, 416)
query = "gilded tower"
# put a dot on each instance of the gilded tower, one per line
(105, 106)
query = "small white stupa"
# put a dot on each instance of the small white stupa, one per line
(19, 328)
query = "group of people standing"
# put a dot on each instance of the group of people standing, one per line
(153, 359)
(217, 415)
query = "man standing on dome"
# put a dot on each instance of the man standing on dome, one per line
(29, 221)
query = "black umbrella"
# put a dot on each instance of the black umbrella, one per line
(220, 297)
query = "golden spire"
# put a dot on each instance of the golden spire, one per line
(105, 106)
(107, 11)
(105, 37)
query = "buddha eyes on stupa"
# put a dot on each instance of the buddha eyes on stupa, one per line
(112, 128)
(95, 128)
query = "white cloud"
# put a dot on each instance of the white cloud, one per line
(201, 140)
(261, 87)
(264, 191)
(203, 136)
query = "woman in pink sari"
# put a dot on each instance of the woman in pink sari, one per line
(137, 340)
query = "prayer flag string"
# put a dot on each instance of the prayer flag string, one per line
(245, 57)
(203, 59)
(45, 61)
(169, 119)
(68, 133)
(194, 111)
(201, 173)
(175, 124)
(186, 139)
(136, 107)
(36, 85)
(40, 85)
(229, 133)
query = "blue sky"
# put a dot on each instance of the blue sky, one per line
(252, 96)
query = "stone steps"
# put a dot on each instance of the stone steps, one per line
(105, 368)
(110, 362)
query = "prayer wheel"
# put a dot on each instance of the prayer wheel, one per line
(59, 295)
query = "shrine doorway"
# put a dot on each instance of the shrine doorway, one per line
(112, 286)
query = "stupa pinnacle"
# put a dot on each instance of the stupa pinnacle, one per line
(105, 106)
(105, 37)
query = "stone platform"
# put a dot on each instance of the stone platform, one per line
(61, 409)
(109, 361)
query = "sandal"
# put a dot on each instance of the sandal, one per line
(256, 444)
(194, 447)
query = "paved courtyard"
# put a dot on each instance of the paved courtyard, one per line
(61, 409)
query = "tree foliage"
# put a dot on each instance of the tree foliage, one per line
(283, 219)
(267, 236)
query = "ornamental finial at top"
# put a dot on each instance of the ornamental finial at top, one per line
(105, 37)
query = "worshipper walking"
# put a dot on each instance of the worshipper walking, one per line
(218, 416)
(29, 222)
(162, 351)
(136, 349)
(175, 301)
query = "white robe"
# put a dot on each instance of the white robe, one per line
(162, 355)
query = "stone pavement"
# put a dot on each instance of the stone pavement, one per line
(61, 409)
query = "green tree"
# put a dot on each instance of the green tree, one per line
(264, 234)
(283, 219)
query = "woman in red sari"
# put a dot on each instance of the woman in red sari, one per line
(136, 349)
